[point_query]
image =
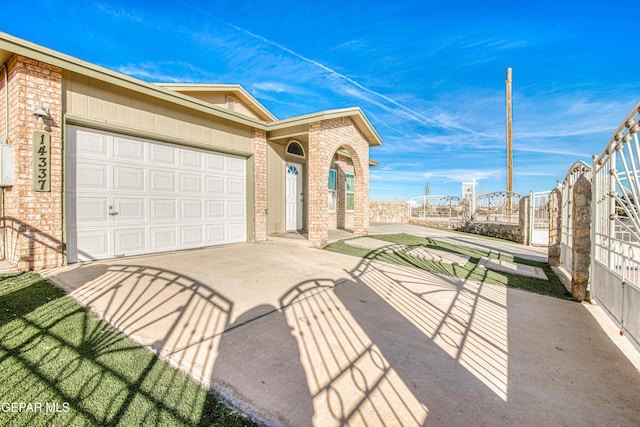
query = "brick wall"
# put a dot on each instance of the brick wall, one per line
(325, 138)
(259, 141)
(32, 221)
(341, 218)
(2, 104)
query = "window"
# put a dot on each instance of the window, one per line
(295, 149)
(332, 189)
(349, 187)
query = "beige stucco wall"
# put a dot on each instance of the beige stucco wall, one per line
(106, 104)
(276, 183)
(276, 203)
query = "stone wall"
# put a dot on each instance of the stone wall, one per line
(389, 211)
(501, 230)
(448, 224)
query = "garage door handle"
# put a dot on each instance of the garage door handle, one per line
(111, 212)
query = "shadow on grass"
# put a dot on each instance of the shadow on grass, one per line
(74, 369)
(469, 271)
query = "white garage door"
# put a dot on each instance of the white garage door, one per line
(127, 196)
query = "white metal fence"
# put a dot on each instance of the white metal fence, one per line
(500, 206)
(439, 207)
(615, 260)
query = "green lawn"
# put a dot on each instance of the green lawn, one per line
(471, 270)
(61, 358)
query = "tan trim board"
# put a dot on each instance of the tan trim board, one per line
(81, 121)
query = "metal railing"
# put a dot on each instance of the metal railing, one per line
(439, 207)
(500, 206)
(615, 265)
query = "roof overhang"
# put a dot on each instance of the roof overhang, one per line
(10, 45)
(299, 125)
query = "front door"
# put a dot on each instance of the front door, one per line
(294, 196)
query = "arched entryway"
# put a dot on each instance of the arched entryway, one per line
(338, 161)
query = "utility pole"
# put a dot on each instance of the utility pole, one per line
(509, 143)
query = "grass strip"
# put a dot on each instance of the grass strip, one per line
(470, 271)
(70, 368)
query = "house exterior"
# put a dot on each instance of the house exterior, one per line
(96, 164)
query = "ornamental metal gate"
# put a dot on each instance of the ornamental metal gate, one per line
(615, 258)
(539, 218)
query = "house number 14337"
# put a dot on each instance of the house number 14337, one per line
(41, 161)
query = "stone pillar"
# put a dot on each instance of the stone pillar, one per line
(260, 180)
(555, 224)
(581, 232)
(524, 220)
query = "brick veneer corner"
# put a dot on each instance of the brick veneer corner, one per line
(32, 221)
(260, 185)
(325, 138)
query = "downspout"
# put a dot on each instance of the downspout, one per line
(5, 140)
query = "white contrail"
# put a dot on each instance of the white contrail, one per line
(406, 111)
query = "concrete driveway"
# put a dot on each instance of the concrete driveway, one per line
(300, 336)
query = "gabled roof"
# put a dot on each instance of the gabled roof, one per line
(237, 91)
(10, 45)
(297, 125)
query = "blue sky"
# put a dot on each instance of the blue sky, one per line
(429, 75)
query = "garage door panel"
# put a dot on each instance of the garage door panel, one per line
(163, 237)
(162, 181)
(190, 183)
(214, 185)
(162, 210)
(127, 149)
(235, 166)
(190, 159)
(215, 234)
(128, 179)
(190, 210)
(92, 244)
(92, 210)
(128, 196)
(214, 209)
(191, 236)
(235, 187)
(236, 209)
(215, 162)
(129, 210)
(92, 176)
(129, 241)
(90, 144)
(236, 232)
(162, 155)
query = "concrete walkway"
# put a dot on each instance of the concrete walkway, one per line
(299, 336)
